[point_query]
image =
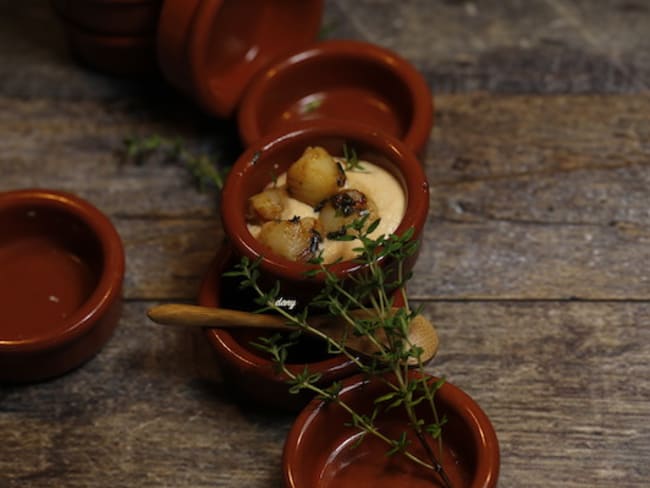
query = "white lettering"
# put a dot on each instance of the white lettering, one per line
(289, 303)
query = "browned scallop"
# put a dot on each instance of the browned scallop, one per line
(267, 205)
(343, 208)
(296, 239)
(315, 176)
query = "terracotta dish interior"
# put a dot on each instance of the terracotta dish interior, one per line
(247, 368)
(210, 50)
(341, 80)
(62, 266)
(275, 153)
(319, 451)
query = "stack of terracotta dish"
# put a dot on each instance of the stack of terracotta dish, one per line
(112, 36)
(259, 63)
(318, 449)
(253, 60)
(252, 372)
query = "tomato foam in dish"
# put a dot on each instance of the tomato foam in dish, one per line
(316, 198)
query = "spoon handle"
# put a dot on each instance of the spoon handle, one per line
(197, 316)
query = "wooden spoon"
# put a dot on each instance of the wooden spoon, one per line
(422, 333)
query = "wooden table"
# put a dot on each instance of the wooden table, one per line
(535, 265)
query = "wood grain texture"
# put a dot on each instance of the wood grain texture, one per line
(538, 197)
(500, 46)
(532, 196)
(535, 266)
(565, 385)
(138, 414)
(509, 46)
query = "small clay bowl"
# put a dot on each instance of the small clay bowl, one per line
(251, 372)
(62, 267)
(273, 154)
(111, 17)
(340, 80)
(211, 49)
(119, 55)
(319, 450)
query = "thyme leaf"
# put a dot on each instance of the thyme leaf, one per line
(203, 168)
(351, 159)
(372, 290)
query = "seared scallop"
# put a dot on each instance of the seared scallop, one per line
(267, 205)
(343, 208)
(315, 176)
(296, 239)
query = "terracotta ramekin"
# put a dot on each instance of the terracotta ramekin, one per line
(320, 452)
(119, 55)
(340, 80)
(273, 154)
(259, 59)
(247, 369)
(115, 37)
(111, 17)
(61, 273)
(211, 49)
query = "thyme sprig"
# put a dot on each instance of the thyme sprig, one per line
(352, 162)
(373, 291)
(202, 167)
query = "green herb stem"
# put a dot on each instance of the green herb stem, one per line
(370, 293)
(202, 167)
(362, 422)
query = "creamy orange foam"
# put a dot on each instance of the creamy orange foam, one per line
(377, 184)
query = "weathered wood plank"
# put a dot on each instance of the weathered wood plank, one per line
(552, 46)
(59, 144)
(137, 414)
(532, 197)
(481, 138)
(167, 259)
(506, 260)
(565, 385)
(548, 199)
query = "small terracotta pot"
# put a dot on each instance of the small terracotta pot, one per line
(261, 57)
(273, 154)
(211, 49)
(340, 80)
(111, 17)
(62, 267)
(319, 450)
(112, 54)
(248, 369)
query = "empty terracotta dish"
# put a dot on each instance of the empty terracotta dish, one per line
(271, 156)
(261, 58)
(111, 17)
(340, 80)
(211, 49)
(321, 450)
(61, 272)
(249, 370)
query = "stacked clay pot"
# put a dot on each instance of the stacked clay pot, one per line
(116, 37)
